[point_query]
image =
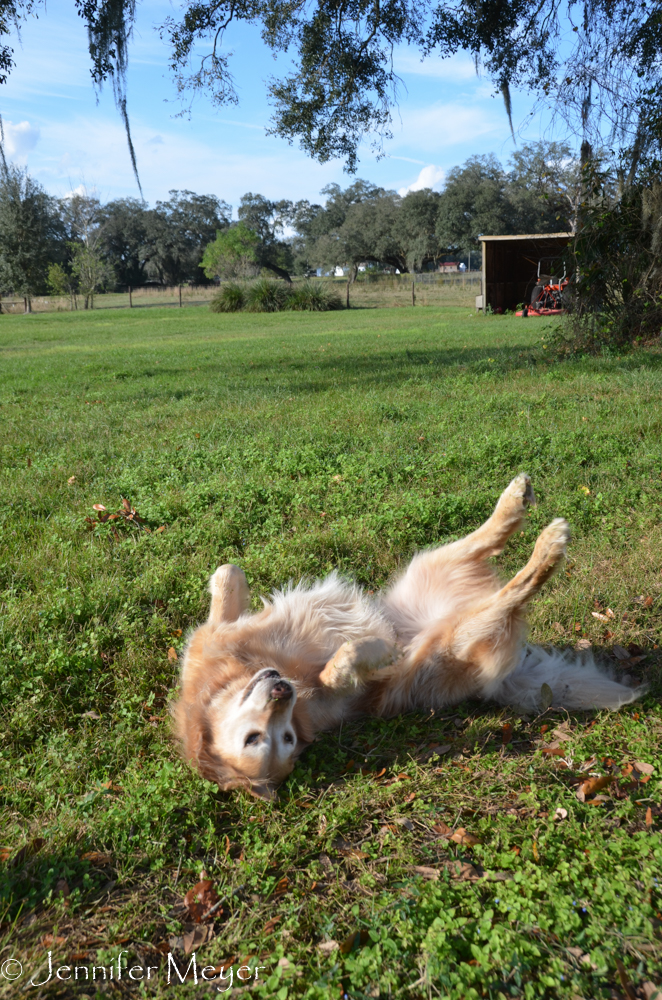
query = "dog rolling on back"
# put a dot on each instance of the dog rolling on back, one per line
(256, 688)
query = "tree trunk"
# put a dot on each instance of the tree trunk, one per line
(278, 271)
(354, 270)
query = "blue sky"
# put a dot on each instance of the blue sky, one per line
(54, 125)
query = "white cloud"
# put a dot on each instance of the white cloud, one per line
(436, 127)
(454, 69)
(429, 177)
(20, 139)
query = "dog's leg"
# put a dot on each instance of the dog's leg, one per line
(489, 635)
(229, 594)
(491, 537)
(354, 662)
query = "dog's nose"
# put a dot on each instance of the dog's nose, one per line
(281, 691)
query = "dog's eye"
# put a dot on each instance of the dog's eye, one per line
(288, 738)
(251, 738)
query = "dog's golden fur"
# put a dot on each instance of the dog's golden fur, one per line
(255, 688)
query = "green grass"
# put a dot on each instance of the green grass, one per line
(291, 444)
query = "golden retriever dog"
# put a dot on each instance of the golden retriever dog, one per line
(256, 688)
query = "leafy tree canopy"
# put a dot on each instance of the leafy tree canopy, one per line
(596, 62)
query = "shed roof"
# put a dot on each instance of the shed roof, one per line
(528, 236)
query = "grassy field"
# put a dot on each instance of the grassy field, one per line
(290, 444)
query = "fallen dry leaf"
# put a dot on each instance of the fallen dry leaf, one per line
(97, 858)
(90, 715)
(71, 480)
(643, 767)
(172, 654)
(627, 986)
(462, 837)
(270, 925)
(649, 817)
(558, 627)
(196, 938)
(593, 785)
(583, 644)
(442, 830)
(200, 899)
(553, 751)
(326, 947)
(355, 941)
(601, 618)
(620, 653)
(560, 813)
(282, 884)
(48, 941)
(465, 872)
(651, 991)
(429, 873)
(506, 733)
(62, 886)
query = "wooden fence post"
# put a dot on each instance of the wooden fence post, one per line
(347, 299)
(413, 294)
(130, 298)
(180, 296)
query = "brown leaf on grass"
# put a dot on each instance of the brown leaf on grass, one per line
(601, 618)
(326, 947)
(281, 886)
(627, 986)
(560, 813)
(353, 853)
(196, 937)
(553, 751)
(651, 991)
(200, 899)
(176, 632)
(410, 797)
(112, 787)
(172, 654)
(593, 785)
(62, 887)
(558, 627)
(516, 850)
(71, 480)
(442, 830)
(432, 874)
(380, 774)
(619, 652)
(354, 941)
(647, 602)
(643, 767)
(27, 851)
(402, 776)
(98, 506)
(270, 925)
(97, 858)
(462, 837)
(649, 817)
(506, 733)
(583, 644)
(48, 941)
(5, 854)
(465, 872)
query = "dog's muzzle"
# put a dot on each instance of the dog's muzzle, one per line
(281, 691)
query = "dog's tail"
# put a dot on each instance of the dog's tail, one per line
(575, 680)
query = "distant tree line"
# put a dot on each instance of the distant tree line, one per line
(76, 246)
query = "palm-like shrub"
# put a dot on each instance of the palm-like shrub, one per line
(265, 295)
(231, 298)
(313, 296)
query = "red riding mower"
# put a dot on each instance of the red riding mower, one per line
(546, 297)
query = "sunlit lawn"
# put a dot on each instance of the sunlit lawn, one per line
(291, 444)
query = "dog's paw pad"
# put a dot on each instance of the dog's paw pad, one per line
(556, 537)
(522, 489)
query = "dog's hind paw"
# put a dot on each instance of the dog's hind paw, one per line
(521, 489)
(552, 542)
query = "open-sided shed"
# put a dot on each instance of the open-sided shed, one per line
(510, 266)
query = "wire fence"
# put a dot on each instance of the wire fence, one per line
(368, 291)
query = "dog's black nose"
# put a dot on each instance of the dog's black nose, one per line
(282, 691)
